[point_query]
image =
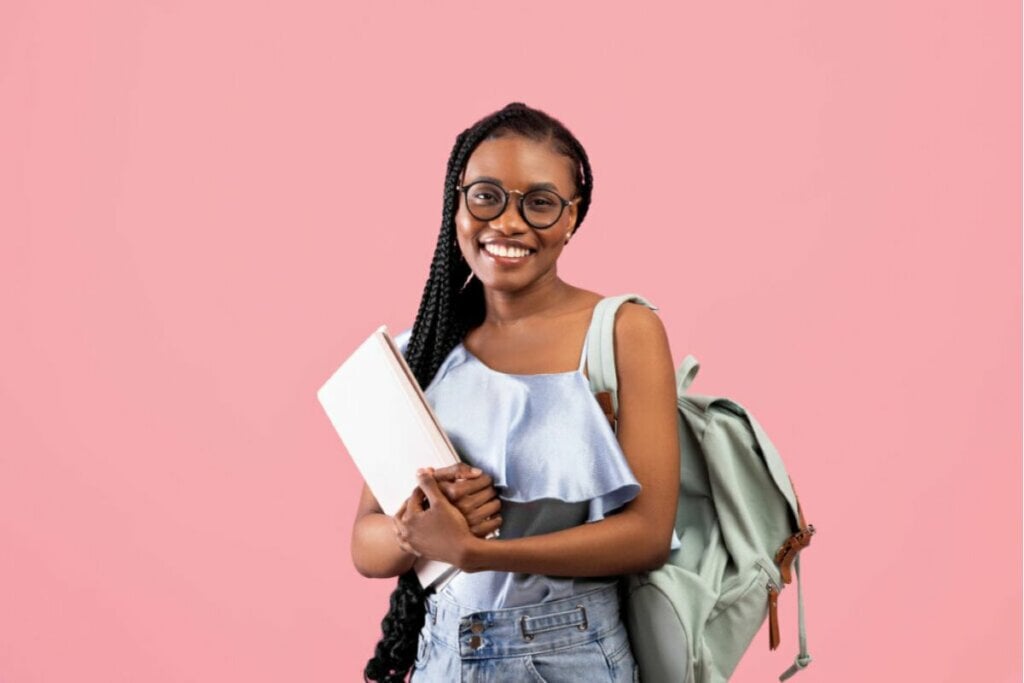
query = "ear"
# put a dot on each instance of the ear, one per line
(571, 212)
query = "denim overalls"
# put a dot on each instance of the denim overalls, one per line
(581, 638)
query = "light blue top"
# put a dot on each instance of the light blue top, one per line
(554, 459)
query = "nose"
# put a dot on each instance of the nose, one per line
(510, 221)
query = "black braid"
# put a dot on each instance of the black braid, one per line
(449, 308)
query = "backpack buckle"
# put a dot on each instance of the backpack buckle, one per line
(787, 553)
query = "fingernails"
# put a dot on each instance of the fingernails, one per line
(475, 470)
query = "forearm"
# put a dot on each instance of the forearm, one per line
(375, 550)
(623, 543)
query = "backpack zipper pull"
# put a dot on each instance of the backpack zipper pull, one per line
(773, 617)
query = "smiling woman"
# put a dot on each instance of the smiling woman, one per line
(498, 345)
(490, 233)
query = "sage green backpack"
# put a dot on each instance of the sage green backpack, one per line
(739, 523)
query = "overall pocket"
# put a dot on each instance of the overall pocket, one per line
(619, 655)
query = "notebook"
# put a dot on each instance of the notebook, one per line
(389, 429)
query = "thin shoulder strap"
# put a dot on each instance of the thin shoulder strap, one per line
(586, 338)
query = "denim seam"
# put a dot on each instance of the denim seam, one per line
(574, 621)
(597, 635)
(512, 655)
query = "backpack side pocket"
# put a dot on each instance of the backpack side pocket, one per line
(737, 617)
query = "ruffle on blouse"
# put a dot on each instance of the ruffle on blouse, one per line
(537, 436)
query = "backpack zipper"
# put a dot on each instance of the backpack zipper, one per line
(773, 616)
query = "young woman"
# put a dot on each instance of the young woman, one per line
(498, 345)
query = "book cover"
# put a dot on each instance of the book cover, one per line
(389, 429)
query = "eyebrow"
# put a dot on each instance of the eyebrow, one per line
(532, 186)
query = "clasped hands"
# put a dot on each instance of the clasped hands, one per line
(461, 503)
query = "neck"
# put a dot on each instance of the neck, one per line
(506, 308)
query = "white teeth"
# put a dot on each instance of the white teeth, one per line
(499, 250)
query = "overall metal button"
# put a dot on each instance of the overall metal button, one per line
(475, 642)
(477, 627)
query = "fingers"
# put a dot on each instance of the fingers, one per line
(459, 470)
(407, 548)
(458, 489)
(416, 499)
(402, 536)
(486, 526)
(469, 503)
(429, 487)
(470, 486)
(479, 514)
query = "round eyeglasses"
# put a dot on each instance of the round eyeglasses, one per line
(539, 208)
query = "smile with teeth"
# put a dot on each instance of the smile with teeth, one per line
(506, 252)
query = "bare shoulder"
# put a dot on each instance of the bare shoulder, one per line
(641, 345)
(638, 327)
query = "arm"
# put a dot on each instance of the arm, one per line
(634, 539)
(375, 549)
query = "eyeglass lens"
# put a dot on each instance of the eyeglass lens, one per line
(486, 201)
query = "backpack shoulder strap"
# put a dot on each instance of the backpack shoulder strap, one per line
(600, 351)
(601, 345)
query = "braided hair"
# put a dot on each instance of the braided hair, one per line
(450, 306)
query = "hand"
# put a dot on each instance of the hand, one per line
(440, 532)
(473, 493)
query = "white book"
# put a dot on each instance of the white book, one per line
(389, 429)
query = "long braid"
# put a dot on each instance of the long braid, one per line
(576, 150)
(449, 308)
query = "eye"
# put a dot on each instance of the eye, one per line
(485, 194)
(542, 202)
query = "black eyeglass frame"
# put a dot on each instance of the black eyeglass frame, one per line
(464, 189)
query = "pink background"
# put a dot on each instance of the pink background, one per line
(205, 205)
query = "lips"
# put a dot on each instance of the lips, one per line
(507, 260)
(508, 244)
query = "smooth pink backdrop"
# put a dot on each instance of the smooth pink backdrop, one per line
(205, 205)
